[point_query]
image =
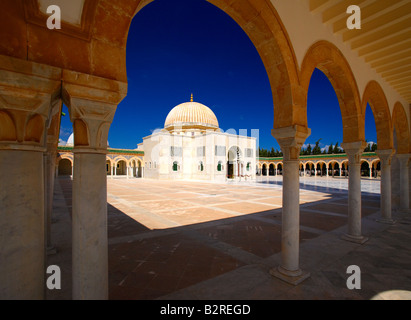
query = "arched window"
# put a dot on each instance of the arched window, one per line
(201, 166)
(175, 166)
(219, 166)
(248, 166)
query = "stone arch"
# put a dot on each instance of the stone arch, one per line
(262, 24)
(365, 168)
(121, 166)
(264, 169)
(375, 97)
(109, 165)
(101, 38)
(7, 128)
(279, 168)
(110, 160)
(64, 166)
(376, 167)
(321, 164)
(120, 158)
(81, 136)
(34, 129)
(326, 57)
(63, 157)
(271, 169)
(401, 126)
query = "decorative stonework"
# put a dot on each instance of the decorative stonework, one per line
(92, 102)
(291, 139)
(27, 93)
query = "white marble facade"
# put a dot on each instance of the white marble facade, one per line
(195, 150)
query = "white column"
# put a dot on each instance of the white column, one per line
(290, 140)
(49, 169)
(91, 117)
(22, 242)
(354, 151)
(89, 218)
(404, 187)
(27, 91)
(385, 162)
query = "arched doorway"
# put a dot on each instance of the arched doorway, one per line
(234, 163)
(279, 169)
(65, 168)
(365, 169)
(271, 170)
(121, 168)
(108, 167)
(264, 170)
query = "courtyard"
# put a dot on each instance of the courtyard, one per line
(218, 241)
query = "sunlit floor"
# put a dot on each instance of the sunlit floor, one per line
(199, 240)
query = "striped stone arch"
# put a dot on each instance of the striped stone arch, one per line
(120, 158)
(375, 161)
(137, 159)
(365, 160)
(375, 97)
(271, 40)
(401, 126)
(66, 156)
(332, 162)
(344, 162)
(311, 162)
(326, 57)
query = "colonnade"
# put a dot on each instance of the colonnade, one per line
(31, 96)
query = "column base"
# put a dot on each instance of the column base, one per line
(386, 221)
(354, 239)
(291, 277)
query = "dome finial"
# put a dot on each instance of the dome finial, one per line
(191, 98)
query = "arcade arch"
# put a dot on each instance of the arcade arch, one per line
(92, 81)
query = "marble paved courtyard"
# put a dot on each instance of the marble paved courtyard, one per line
(199, 240)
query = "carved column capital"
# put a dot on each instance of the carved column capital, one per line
(354, 150)
(403, 158)
(92, 103)
(291, 139)
(27, 92)
(385, 156)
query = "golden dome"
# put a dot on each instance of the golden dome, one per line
(191, 115)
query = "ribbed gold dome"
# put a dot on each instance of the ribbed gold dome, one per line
(191, 115)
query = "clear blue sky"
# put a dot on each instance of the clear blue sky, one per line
(180, 47)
